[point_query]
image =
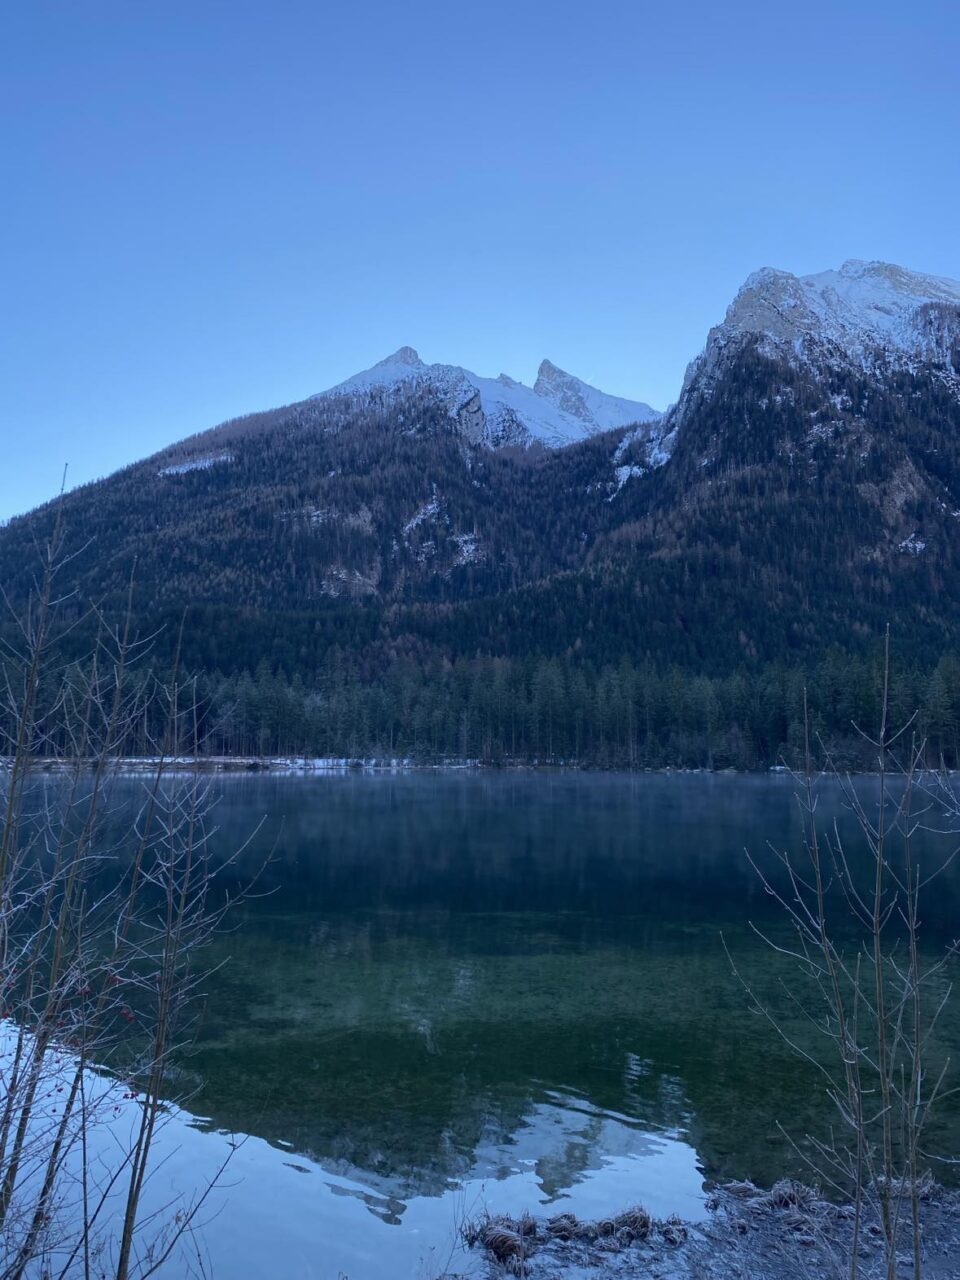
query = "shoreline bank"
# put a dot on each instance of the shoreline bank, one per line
(313, 765)
(787, 1233)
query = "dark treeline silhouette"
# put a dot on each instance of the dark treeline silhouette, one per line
(553, 710)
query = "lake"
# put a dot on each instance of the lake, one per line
(468, 990)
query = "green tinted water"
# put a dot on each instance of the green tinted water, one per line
(501, 987)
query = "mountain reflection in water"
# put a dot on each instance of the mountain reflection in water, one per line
(496, 990)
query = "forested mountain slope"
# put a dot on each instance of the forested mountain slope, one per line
(803, 494)
(370, 499)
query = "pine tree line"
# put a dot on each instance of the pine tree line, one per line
(554, 710)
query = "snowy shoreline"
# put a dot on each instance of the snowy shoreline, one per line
(311, 765)
(307, 765)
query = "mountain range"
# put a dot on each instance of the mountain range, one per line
(803, 493)
(558, 410)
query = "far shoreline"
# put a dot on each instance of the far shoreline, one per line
(312, 766)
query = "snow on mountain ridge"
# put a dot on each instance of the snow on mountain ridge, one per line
(871, 316)
(557, 411)
(864, 314)
(862, 305)
(587, 403)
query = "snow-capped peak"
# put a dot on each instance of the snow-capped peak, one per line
(872, 318)
(597, 409)
(405, 357)
(861, 306)
(867, 315)
(559, 410)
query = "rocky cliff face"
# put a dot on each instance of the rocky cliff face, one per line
(597, 410)
(868, 318)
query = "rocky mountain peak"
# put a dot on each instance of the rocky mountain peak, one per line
(403, 356)
(858, 307)
(596, 408)
(867, 316)
(549, 372)
(558, 410)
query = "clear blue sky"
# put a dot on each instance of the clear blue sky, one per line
(214, 207)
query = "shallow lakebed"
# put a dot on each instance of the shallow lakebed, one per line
(493, 991)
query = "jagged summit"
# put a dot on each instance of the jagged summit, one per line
(549, 374)
(405, 356)
(864, 315)
(859, 306)
(593, 407)
(558, 410)
(916, 284)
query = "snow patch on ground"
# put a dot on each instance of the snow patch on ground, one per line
(821, 431)
(362, 519)
(428, 511)
(657, 447)
(469, 550)
(196, 464)
(339, 582)
(623, 474)
(913, 546)
(661, 449)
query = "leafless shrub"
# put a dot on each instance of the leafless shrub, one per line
(100, 940)
(877, 993)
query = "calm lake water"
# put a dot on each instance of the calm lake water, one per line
(479, 990)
